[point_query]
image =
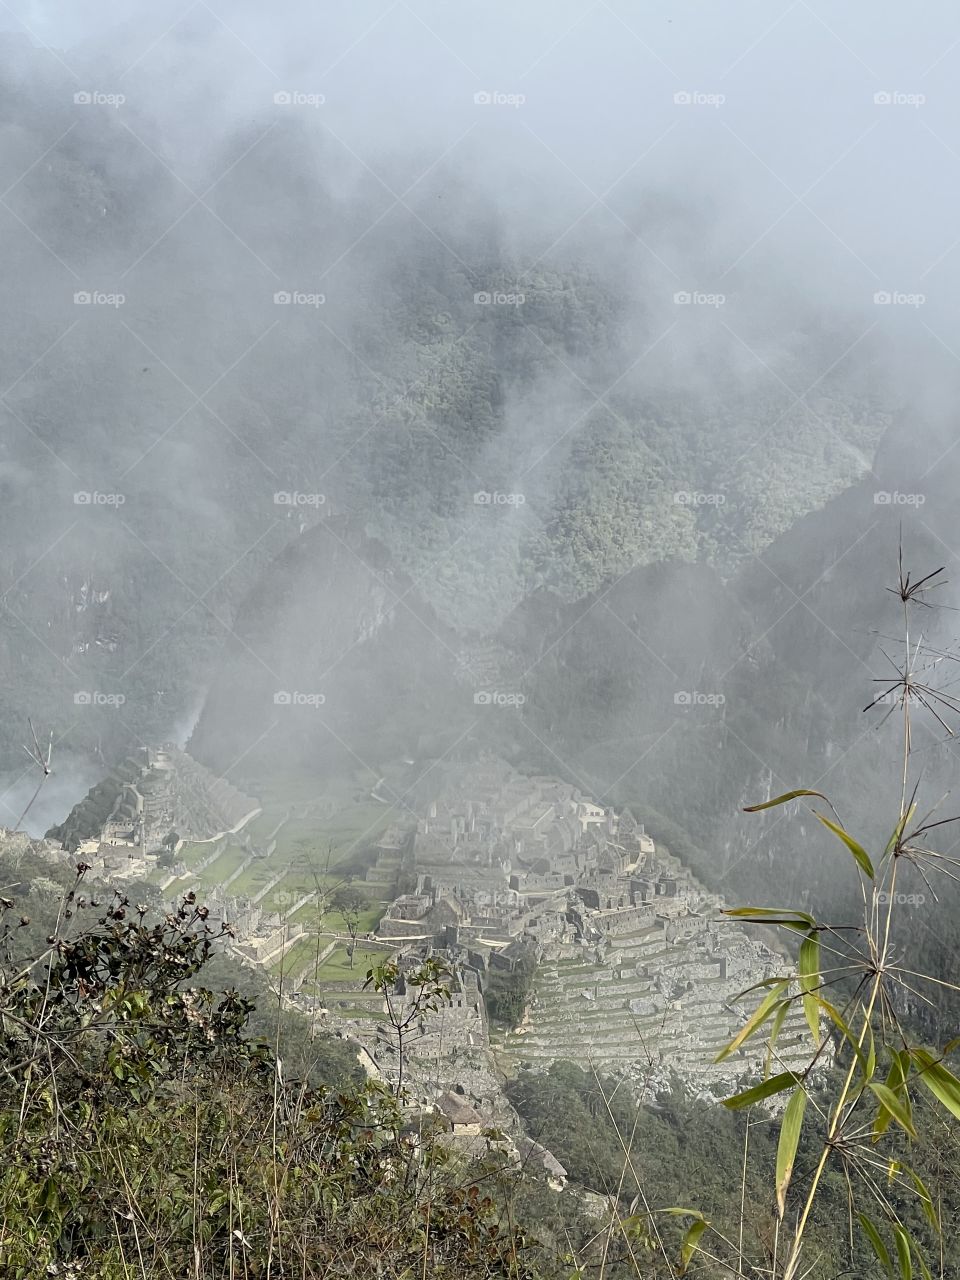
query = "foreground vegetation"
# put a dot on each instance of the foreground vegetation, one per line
(144, 1132)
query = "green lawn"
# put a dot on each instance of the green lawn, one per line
(340, 813)
(285, 892)
(291, 888)
(358, 997)
(333, 921)
(300, 956)
(224, 866)
(359, 1011)
(260, 872)
(340, 822)
(336, 968)
(193, 853)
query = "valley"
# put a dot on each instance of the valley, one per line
(568, 932)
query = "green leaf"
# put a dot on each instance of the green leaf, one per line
(903, 1251)
(763, 985)
(776, 1084)
(784, 799)
(772, 915)
(858, 851)
(867, 1066)
(898, 1107)
(763, 1011)
(926, 1200)
(876, 1241)
(896, 1079)
(870, 1066)
(943, 1084)
(899, 829)
(778, 1021)
(787, 1146)
(690, 1242)
(808, 977)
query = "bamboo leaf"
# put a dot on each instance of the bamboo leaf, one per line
(926, 1200)
(763, 985)
(899, 1069)
(808, 977)
(772, 915)
(836, 1018)
(784, 799)
(858, 851)
(763, 1011)
(896, 1080)
(881, 1124)
(757, 1093)
(897, 1105)
(775, 1029)
(787, 1146)
(943, 1084)
(876, 1241)
(899, 829)
(903, 1252)
(690, 1243)
(871, 1067)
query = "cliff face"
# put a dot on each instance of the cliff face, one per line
(333, 655)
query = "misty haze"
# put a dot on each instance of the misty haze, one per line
(479, 638)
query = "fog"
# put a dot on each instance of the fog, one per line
(578, 258)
